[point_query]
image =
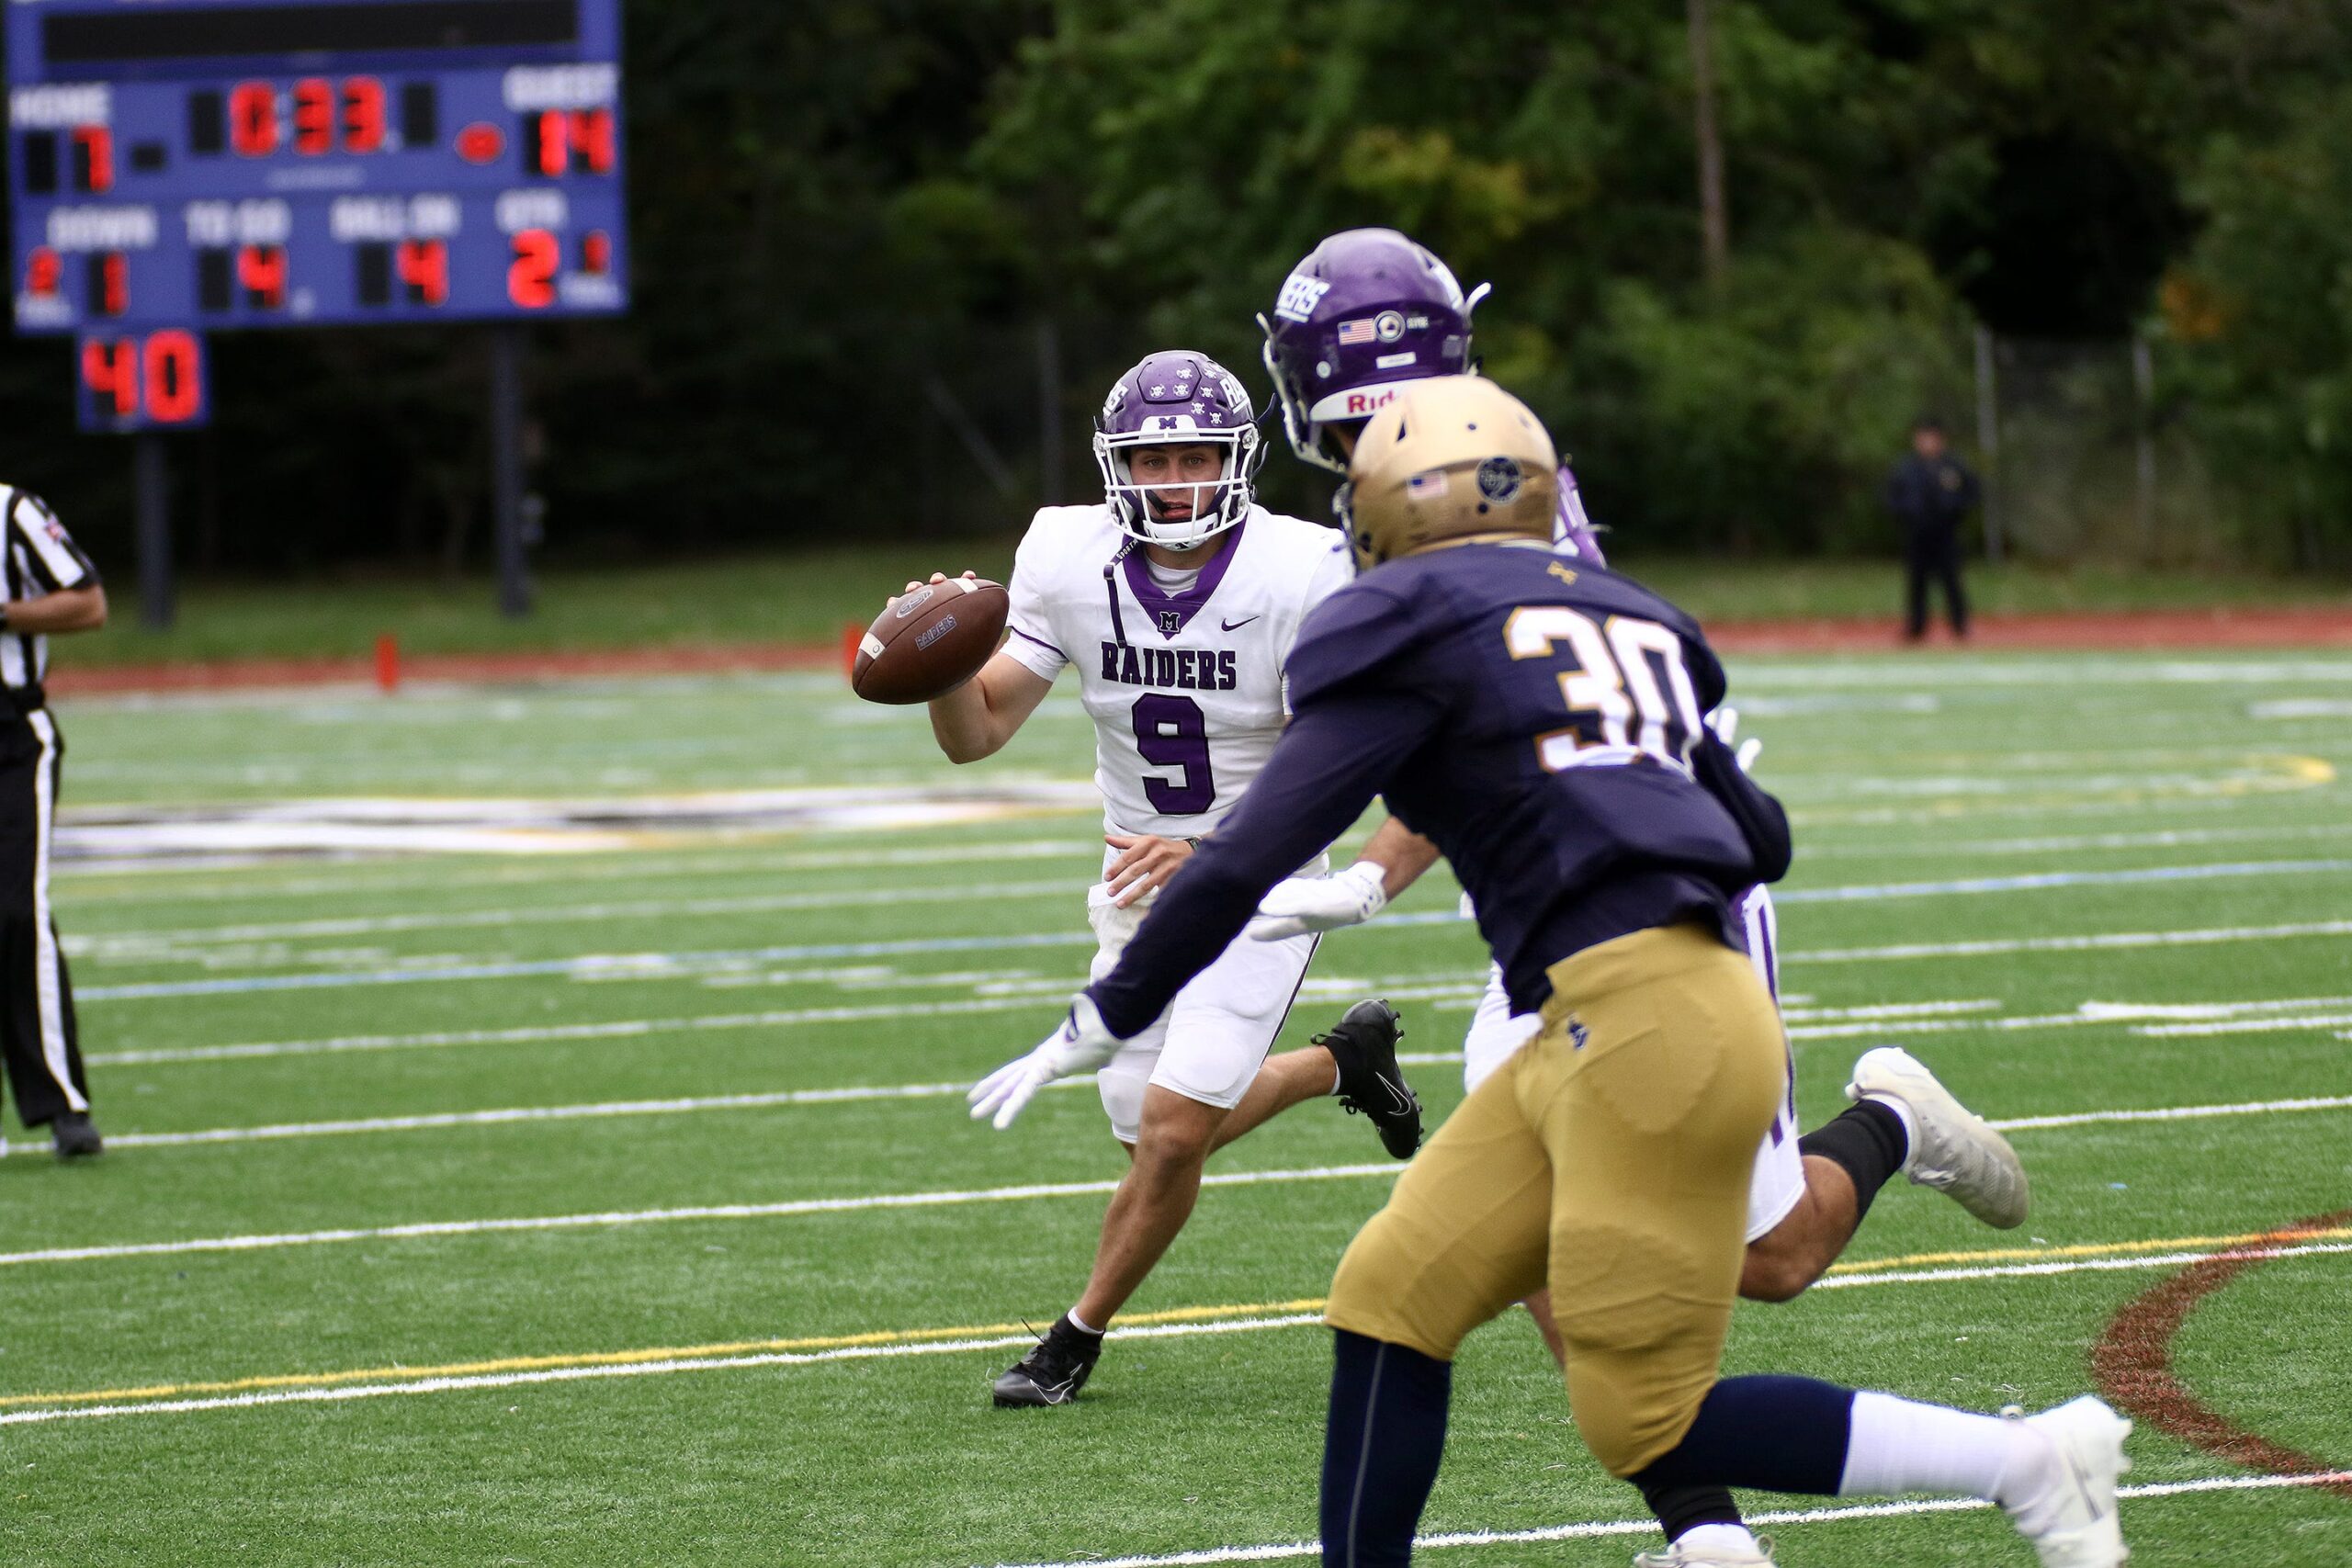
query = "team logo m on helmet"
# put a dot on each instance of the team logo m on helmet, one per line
(1178, 398)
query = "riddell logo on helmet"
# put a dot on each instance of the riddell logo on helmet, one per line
(1362, 404)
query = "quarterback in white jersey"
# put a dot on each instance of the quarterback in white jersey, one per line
(1176, 598)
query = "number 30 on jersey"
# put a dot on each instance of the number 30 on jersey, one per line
(1630, 686)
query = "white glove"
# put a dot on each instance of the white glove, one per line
(1724, 722)
(1079, 1045)
(1299, 905)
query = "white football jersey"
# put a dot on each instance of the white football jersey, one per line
(1185, 690)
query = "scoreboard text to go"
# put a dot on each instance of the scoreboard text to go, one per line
(155, 380)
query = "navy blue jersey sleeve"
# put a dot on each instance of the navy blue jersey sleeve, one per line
(1707, 677)
(1324, 772)
(1345, 638)
(1763, 822)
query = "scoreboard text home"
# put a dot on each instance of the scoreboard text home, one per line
(179, 166)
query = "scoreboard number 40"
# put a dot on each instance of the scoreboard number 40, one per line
(145, 382)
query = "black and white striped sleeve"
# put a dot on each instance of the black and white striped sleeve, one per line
(49, 554)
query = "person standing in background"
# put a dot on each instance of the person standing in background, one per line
(48, 587)
(1930, 494)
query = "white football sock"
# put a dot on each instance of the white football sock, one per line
(1724, 1538)
(1910, 1126)
(1900, 1445)
(1080, 1324)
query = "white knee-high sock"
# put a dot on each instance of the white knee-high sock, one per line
(1720, 1539)
(1900, 1445)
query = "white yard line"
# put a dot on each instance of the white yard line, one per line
(252, 1243)
(371, 878)
(863, 1093)
(2152, 838)
(831, 1205)
(2043, 881)
(2243, 1026)
(693, 965)
(1593, 1528)
(619, 1030)
(2093, 943)
(133, 945)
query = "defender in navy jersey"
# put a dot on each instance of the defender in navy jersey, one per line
(1542, 721)
(1363, 316)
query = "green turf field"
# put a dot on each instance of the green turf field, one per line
(614, 1203)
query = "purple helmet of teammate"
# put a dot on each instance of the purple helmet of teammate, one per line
(1178, 398)
(1365, 312)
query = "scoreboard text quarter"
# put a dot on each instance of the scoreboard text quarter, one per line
(211, 164)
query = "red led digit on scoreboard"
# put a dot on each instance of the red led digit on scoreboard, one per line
(423, 267)
(261, 269)
(110, 371)
(530, 281)
(590, 132)
(562, 137)
(43, 272)
(252, 120)
(93, 158)
(553, 146)
(313, 116)
(112, 293)
(363, 115)
(174, 384)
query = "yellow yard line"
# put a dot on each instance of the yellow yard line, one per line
(888, 1337)
(628, 1358)
(2091, 1249)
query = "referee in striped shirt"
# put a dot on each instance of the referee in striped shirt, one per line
(48, 586)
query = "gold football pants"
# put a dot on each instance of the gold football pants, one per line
(1609, 1157)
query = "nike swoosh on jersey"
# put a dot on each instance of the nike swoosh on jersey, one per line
(1235, 626)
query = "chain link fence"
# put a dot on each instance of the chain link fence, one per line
(2082, 462)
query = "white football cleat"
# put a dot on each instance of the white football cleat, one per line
(2072, 1520)
(1953, 1150)
(1710, 1556)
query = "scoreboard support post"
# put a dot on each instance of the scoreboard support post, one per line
(507, 467)
(151, 497)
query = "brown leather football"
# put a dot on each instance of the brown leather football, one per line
(931, 641)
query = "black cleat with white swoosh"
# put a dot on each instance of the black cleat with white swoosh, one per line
(1363, 1044)
(1054, 1371)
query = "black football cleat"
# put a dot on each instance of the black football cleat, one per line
(1053, 1373)
(1363, 1044)
(72, 1136)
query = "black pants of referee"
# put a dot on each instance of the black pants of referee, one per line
(1932, 555)
(37, 1030)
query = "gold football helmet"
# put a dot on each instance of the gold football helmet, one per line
(1453, 458)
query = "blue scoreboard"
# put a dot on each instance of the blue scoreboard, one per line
(181, 166)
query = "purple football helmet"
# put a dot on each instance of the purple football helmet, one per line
(1365, 312)
(1178, 398)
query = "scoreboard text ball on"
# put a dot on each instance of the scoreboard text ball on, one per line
(209, 164)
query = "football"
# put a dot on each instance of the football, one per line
(931, 641)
